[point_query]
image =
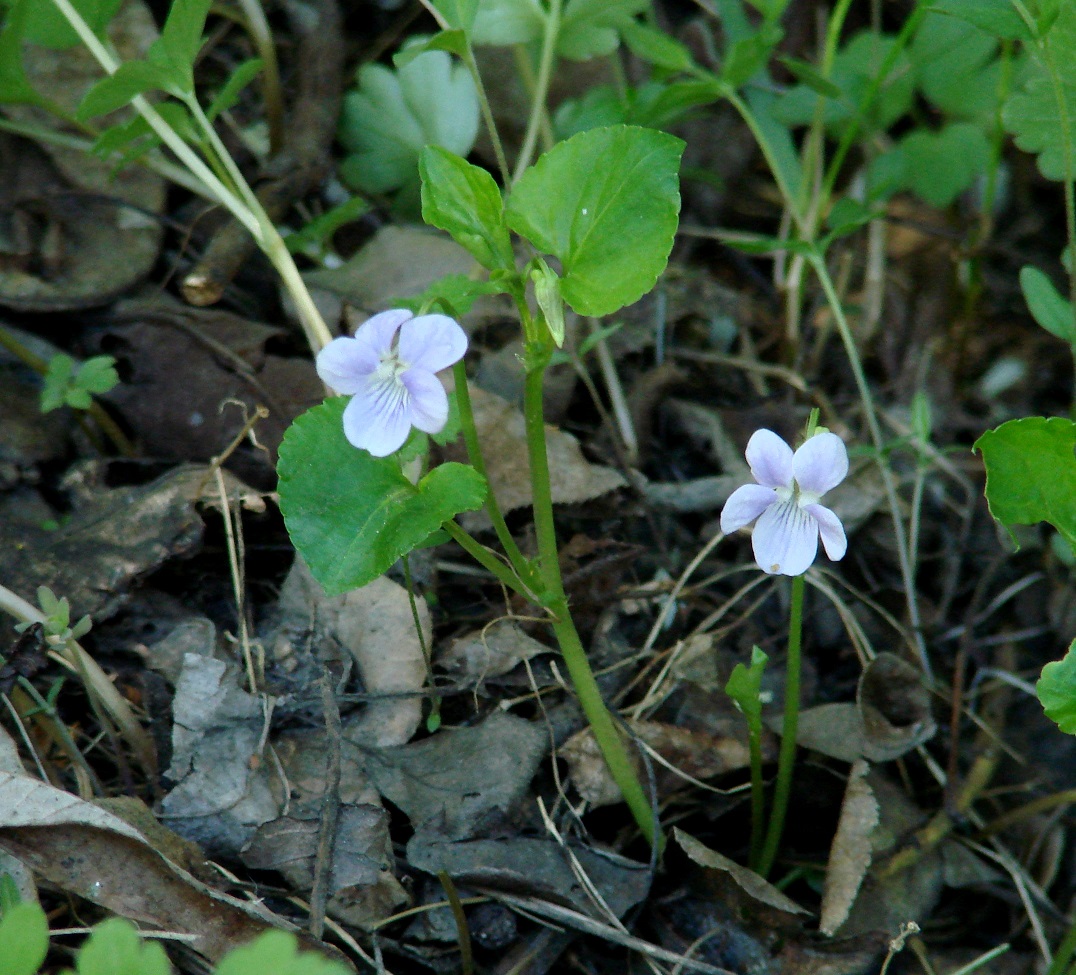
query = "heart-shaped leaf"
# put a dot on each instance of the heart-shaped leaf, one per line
(605, 203)
(351, 515)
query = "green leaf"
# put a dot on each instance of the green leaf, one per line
(854, 70)
(453, 41)
(1032, 114)
(459, 14)
(654, 105)
(745, 688)
(233, 87)
(454, 295)
(1031, 473)
(747, 56)
(1057, 691)
(808, 75)
(56, 382)
(316, 234)
(591, 28)
(997, 17)
(394, 115)
(1048, 308)
(465, 201)
(47, 26)
(939, 166)
(957, 67)
(588, 28)
(276, 952)
(15, 87)
(180, 40)
(97, 375)
(24, 939)
(131, 79)
(351, 515)
(605, 204)
(505, 22)
(656, 47)
(116, 948)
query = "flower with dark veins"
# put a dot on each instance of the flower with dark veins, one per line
(389, 371)
(785, 501)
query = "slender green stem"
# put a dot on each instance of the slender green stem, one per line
(787, 757)
(433, 719)
(605, 731)
(758, 793)
(1066, 951)
(541, 88)
(257, 26)
(817, 261)
(484, 557)
(487, 113)
(519, 562)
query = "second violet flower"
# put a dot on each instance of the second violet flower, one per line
(389, 370)
(785, 500)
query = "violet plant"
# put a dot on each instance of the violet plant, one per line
(784, 504)
(604, 204)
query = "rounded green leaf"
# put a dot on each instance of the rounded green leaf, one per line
(116, 948)
(605, 203)
(351, 515)
(1031, 473)
(1057, 691)
(24, 939)
(1048, 308)
(276, 952)
(465, 201)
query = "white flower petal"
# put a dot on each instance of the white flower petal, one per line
(821, 463)
(785, 539)
(378, 418)
(429, 402)
(345, 364)
(830, 528)
(378, 331)
(432, 342)
(744, 505)
(770, 459)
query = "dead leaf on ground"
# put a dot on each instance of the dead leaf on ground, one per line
(375, 625)
(223, 784)
(113, 538)
(699, 754)
(503, 435)
(748, 885)
(459, 782)
(490, 652)
(851, 851)
(361, 895)
(78, 236)
(196, 412)
(91, 852)
(891, 716)
(398, 262)
(535, 867)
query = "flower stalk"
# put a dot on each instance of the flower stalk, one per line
(606, 734)
(790, 726)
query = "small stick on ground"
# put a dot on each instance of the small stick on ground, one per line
(330, 810)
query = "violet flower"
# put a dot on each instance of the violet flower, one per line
(388, 369)
(785, 501)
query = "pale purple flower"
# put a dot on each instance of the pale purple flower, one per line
(388, 369)
(785, 501)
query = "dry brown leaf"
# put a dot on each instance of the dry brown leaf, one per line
(95, 854)
(747, 881)
(85, 236)
(503, 435)
(699, 754)
(376, 626)
(490, 652)
(851, 851)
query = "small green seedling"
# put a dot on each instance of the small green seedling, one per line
(69, 384)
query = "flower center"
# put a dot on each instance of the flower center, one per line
(390, 368)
